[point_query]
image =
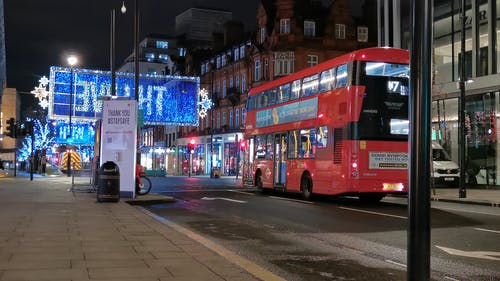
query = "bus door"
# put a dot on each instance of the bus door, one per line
(280, 147)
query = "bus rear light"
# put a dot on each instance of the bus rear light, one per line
(354, 169)
(393, 186)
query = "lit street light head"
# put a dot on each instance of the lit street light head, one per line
(72, 60)
(123, 8)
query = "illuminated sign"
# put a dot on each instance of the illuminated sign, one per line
(82, 133)
(163, 99)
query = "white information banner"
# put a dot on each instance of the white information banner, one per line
(388, 160)
(118, 137)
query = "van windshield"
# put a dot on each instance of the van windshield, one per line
(440, 155)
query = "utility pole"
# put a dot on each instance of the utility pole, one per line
(462, 140)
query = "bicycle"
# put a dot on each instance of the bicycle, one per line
(142, 182)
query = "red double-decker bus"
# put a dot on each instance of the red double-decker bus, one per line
(340, 127)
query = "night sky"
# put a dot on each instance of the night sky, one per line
(40, 34)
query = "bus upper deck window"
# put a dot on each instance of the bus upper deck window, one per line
(295, 90)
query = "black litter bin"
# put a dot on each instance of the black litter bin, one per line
(108, 186)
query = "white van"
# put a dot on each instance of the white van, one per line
(444, 170)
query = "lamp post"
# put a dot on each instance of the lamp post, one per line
(462, 140)
(112, 47)
(72, 61)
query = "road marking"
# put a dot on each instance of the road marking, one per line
(222, 198)
(487, 230)
(293, 200)
(251, 267)
(471, 254)
(243, 192)
(396, 263)
(373, 213)
(450, 278)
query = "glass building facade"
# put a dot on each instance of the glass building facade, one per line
(482, 101)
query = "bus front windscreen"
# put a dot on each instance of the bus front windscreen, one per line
(384, 111)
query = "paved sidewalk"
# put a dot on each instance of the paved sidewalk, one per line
(486, 197)
(48, 233)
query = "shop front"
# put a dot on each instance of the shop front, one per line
(223, 158)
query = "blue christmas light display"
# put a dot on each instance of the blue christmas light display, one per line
(83, 133)
(163, 99)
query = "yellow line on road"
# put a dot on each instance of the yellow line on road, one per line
(251, 267)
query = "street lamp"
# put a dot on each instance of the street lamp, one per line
(123, 9)
(72, 61)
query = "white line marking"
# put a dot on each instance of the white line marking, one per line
(487, 230)
(293, 200)
(222, 198)
(373, 213)
(251, 267)
(487, 255)
(450, 278)
(396, 263)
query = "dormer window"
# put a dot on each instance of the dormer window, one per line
(339, 31)
(284, 26)
(262, 35)
(309, 28)
(362, 34)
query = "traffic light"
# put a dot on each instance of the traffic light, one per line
(191, 145)
(243, 145)
(11, 130)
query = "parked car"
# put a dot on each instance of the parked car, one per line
(444, 170)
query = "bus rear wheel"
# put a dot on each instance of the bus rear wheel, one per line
(371, 197)
(306, 187)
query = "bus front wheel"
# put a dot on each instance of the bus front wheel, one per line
(258, 182)
(306, 187)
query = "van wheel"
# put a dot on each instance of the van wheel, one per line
(306, 187)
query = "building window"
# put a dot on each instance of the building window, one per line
(236, 54)
(218, 119)
(262, 35)
(162, 44)
(243, 115)
(242, 51)
(284, 26)
(362, 34)
(243, 82)
(312, 60)
(283, 63)
(224, 88)
(309, 28)
(218, 63)
(237, 82)
(231, 82)
(339, 31)
(231, 119)
(237, 118)
(266, 68)
(182, 52)
(203, 68)
(224, 118)
(164, 57)
(150, 56)
(223, 60)
(257, 70)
